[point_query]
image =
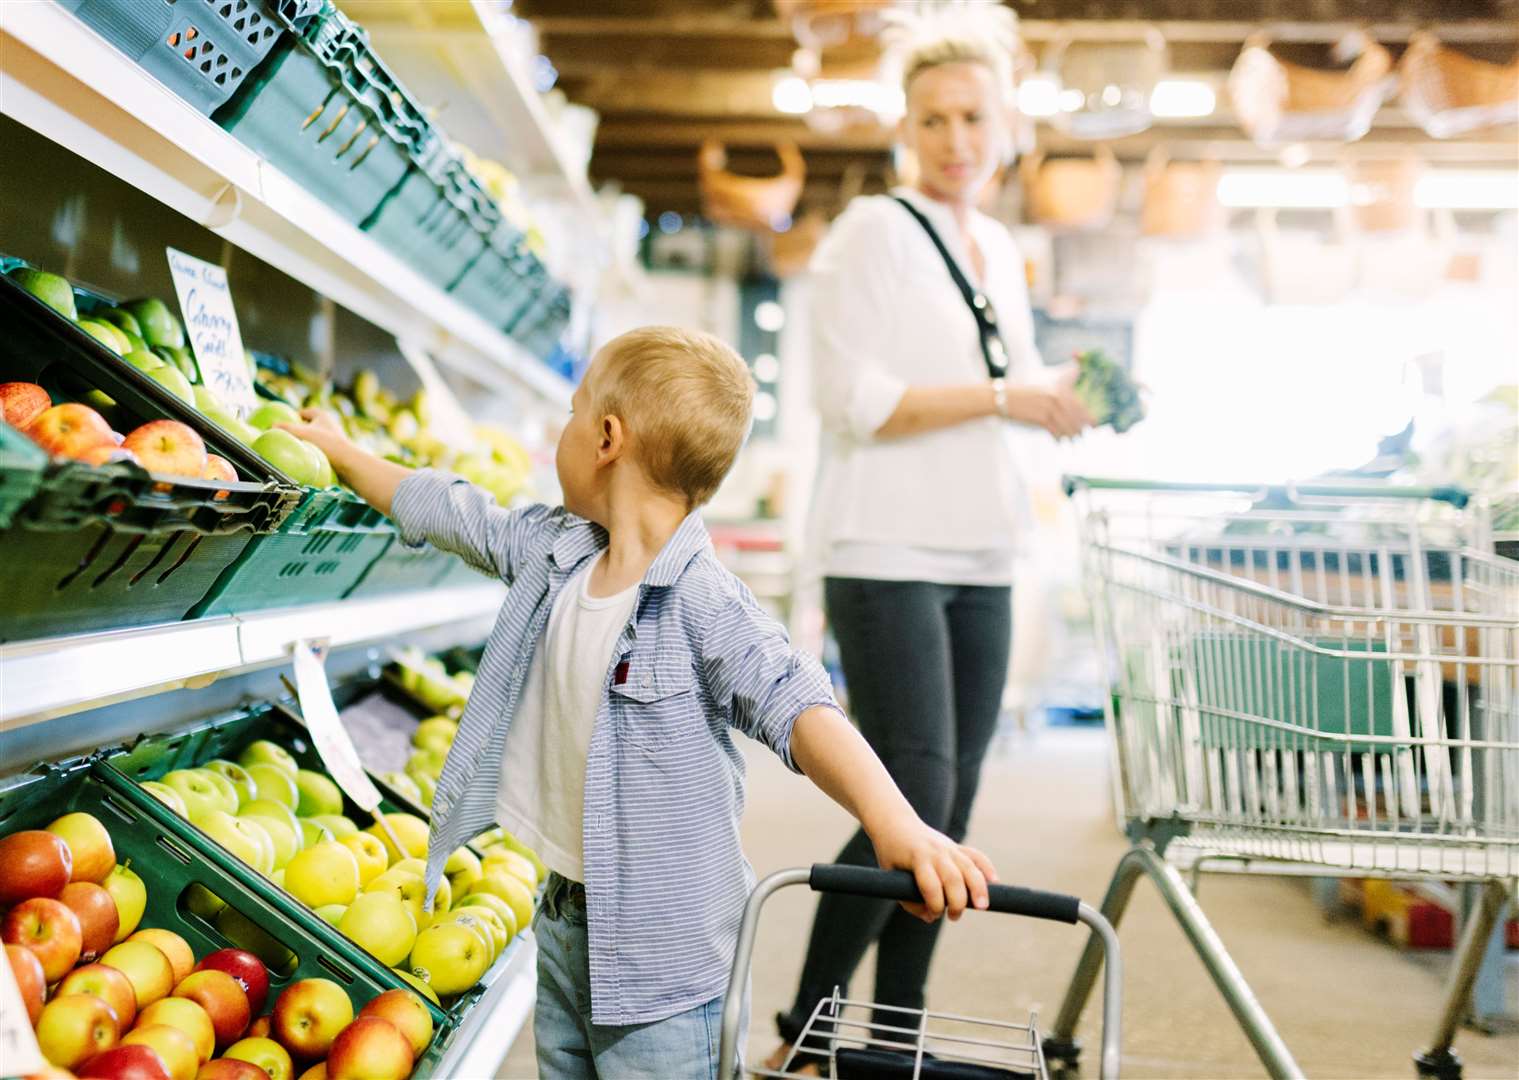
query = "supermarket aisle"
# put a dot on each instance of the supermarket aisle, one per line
(1349, 1007)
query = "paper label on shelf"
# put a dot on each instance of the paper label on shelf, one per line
(205, 301)
(328, 735)
(18, 1043)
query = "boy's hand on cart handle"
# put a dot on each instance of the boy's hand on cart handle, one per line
(950, 876)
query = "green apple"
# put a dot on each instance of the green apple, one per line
(174, 380)
(449, 957)
(293, 456)
(107, 335)
(270, 753)
(380, 923)
(332, 914)
(273, 412)
(426, 762)
(51, 289)
(340, 825)
(230, 799)
(207, 401)
(490, 901)
(500, 937)
(435, 733)
(407, 887)
(428, 787)
(180, 358)
(197, 791)
(245, 839)
(318, 794)
(273, 783)
(404, 785)
(325, 873)
(285, 837)
(122, 320)
(417, 984)
(275, 809)
(314, 832)
(143, 360)
(509, 888)
(461, 861)
(223, 418)
(468, 917)
(166, 795)
(159, 326)
(242, 782)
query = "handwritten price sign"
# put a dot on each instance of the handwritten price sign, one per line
(211, 324)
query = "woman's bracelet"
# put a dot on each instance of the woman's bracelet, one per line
(999, 398)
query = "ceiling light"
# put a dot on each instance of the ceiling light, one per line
(1038, 96)
(766, 367)
(1468, 190)
(1302, 189)
(1174, 98)
(792, 96)
(879, 98)
(769, 316)
(1072, 100)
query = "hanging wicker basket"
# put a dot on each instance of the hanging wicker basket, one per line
(1278, 102)
(1071, 193)
(1181, 197)
(1449, 93)
(750, 202)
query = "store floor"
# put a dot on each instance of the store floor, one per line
(1347, 1004)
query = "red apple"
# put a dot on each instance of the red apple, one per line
(21, 403)
(32, 863)
(247, 969)
(106, 454)
(369, 1049)
(260, 1027)
(135, 1062)
(267, 1054)
(89, 845)
(309, 1015)
(74, 1028)
(175, 1047)
(407, 1012)
(168, 447)
(70, 429)
(50, 929)
(106, 983)
(51, 1072)
(176, 948)
(222, 998)
(230, 1069)
(97, 914)
(316, 1072)
(218, 468)
(29, 977)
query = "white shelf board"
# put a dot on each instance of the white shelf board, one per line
(52, 677)
(493, 1023)
(61, 79)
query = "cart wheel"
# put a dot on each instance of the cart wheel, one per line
(1440, 1064)
(1062, 1055)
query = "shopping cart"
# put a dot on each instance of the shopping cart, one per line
(1319, 680)
(865, 1041)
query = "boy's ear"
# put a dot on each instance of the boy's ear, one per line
(612, 439)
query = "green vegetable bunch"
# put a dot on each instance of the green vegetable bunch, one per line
(1106, 390)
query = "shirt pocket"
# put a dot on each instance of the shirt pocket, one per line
(654, 705)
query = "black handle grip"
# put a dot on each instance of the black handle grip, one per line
(900, 885)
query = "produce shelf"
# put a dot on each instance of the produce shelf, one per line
(66, 82)
(52, 677)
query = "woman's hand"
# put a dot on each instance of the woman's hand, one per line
(1055, 407)
(950, 876)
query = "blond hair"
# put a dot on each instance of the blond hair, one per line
(927, 35)
(685, 399)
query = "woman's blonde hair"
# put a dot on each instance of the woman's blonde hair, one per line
(926, 35)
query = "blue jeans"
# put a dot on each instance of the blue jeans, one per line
(571, 1047)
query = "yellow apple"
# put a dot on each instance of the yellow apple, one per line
(313, 832)
(273, 782)
(332, 914)
(492, 920)
(493, 903)
(369, 852)
(131, 897)
(285, 839)
(339, 825)
(509, 889)
(230, 800)
(166, 795)
(408, 888)
(411, 832)
(418, 985)
(381, 923)
(450, 957)
(271, 753)
(326, 873)
(512, 863)
(475, 922)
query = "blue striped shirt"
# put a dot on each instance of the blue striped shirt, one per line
(665, 877)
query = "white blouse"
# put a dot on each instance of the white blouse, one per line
(948, 505)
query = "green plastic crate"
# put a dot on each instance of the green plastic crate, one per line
(196, 896)
(321, 552)
(225, 736)
(431, 219)
(401, 568)
(21, 466)
(494, 284)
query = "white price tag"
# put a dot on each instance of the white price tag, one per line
(327, 732)
(205, 301)
(19, 1055)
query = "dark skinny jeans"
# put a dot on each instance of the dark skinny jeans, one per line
(925, 665)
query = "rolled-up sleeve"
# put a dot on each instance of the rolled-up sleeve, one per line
(455, 515)
(756, 676)
(851, 319)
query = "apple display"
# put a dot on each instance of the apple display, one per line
(74, 1028)
(230, 799)
(242, 839)
(166, 795)
(29, 979)
(134, 1062)
(89, 846)
(188, 1017)
(106, 983)
(494, 903)
(339, 824)
(274, 784)
(476, 922)
(370, 1048)
(50, 929)
(68, 430)
(285, 837)
(369, 852)
(131, 897)
(168, 447)
(493, 923)
(230, 1069)
(316, 1072)
(410, 830)
(416, 984)
(449, 957)
(259, 1029)
(325, 873)
(513, 864)
(21, 403)
(146, 968)
(273, 412)
(267, 1054)
(381, 923)
(247, 970)
(435, 733)
(509, 888)
(313, 832)
(172, 1045)
(407, 887)
(224, 1000)
(309, 1015)
(269, 753)
(200, 794)
(33, 863)
(293, 456)
(98, 918)
(408, 1012)
(331, 914)
(177, 949)
(173, 380)
(242, 782)
(318, 794)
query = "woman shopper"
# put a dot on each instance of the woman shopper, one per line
(919, 507)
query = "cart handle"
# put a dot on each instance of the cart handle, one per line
(1457, 497)
(900, 885)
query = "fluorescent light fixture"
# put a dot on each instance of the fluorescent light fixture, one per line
(1038, 96)
(792, 96)
(879, 98)
(1300, 189)
(1178, 98)
(1468, 190)
(1072, 100)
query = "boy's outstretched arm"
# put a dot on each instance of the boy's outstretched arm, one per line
(838, 760)
(373, 478)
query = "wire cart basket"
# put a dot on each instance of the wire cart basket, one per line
(860, 1040)
(1317, 680)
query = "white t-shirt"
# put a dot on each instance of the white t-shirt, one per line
(542, 794)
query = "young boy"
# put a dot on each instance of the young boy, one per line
(599, 727)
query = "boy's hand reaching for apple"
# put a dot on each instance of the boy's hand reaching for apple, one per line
(320, 428)
(950, 876)
(374, 478)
